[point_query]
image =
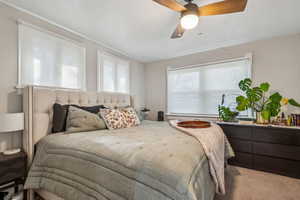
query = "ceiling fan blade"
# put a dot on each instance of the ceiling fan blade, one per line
(172, 4)
(223, 7)
(178, 33)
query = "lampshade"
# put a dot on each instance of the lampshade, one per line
(10, 122)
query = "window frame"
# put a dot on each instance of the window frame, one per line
(116, 60)
(248, 56)
(20, 85)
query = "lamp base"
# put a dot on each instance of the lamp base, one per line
(11, 152)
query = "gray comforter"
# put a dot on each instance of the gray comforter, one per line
(150, 162)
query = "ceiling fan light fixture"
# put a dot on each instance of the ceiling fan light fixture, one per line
(190, 17)
(189, 21)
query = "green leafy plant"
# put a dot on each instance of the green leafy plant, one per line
(226, 114)
(257, 99)
(294, 103)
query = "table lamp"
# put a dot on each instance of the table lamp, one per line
(9, 123)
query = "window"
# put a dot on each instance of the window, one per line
(113, 74)
(198, 90)
(48, 60)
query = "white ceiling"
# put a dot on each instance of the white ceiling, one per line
(142, 28)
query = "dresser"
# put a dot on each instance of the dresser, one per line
(265, 148)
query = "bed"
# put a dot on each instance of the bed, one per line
(152, 161)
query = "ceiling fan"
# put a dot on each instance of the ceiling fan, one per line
(191, 12)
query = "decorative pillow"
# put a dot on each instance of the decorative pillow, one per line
(132, 118)
(80, 120)
(113, 118)
(120, 118)
(60, 113)
(138, 113)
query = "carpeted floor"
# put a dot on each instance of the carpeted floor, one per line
(246, 184)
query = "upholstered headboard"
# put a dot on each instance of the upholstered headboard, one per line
(38, 108)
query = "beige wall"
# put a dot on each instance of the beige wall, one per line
(275, 60)
(10, 101)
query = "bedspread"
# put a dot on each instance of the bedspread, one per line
(150, 162)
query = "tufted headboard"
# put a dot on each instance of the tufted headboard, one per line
(38, 103)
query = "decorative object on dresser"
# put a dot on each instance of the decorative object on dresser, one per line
(10, 123)
(295, 119)
(274, 149)
(12, 172)
(258, 99)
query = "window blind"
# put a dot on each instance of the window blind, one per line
(114, 74)
(49, 60)
(198, 90)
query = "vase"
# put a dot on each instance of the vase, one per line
(260, 119)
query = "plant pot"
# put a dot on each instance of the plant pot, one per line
(260, 119)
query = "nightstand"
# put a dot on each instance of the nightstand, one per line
(12, 170)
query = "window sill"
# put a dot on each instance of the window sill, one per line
(49, 87)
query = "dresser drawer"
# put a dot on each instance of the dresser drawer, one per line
(241, 145)
(242, 160)
(238, 132)
(277, 135)
(277, 165)
(277, 150)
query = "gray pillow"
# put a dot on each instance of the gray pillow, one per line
(80, 120)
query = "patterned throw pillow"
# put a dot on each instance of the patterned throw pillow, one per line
(120, 118)
(132, 118)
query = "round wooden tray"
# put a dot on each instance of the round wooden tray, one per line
(194, 124)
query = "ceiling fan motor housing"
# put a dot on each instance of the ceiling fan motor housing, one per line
(191, 8)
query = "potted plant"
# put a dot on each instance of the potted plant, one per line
(226, 114)
(259, 101)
